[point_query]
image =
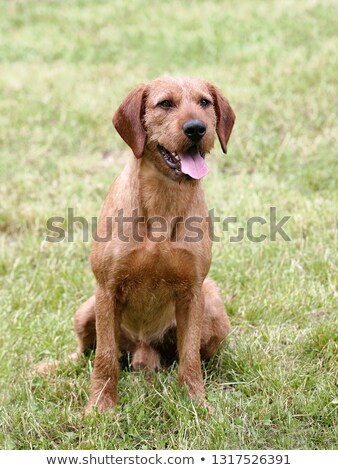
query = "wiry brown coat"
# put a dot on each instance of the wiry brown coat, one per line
(154, 297)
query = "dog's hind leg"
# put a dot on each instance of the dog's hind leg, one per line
(84, 326)
(216, 325)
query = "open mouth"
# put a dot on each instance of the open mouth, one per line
(191, 162)
(172, 159)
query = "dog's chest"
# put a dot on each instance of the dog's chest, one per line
(154, 268)
(150, 279)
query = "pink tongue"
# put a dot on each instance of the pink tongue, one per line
(193, 164)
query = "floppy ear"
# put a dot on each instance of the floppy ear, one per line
(128, 120)
(225, 117)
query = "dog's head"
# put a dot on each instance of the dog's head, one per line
(173, 122)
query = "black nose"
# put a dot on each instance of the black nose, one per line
(194, 129)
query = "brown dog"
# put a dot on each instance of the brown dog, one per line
(153, 297)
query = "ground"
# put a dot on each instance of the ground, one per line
(64, 68)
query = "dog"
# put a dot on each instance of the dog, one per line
(153, 298)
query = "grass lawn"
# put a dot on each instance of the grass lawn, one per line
(64, 68)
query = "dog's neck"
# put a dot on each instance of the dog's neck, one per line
(160, 196)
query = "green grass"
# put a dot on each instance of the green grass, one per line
(64, 68)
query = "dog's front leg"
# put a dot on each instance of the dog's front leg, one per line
(189, 315)
(106, 366)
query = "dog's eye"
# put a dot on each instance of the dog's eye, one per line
(204, 102)
(166, 104)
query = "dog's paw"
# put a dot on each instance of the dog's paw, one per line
(44, 368)
(209, 408)
(103, 397)
(203, 405)
(47, 368)
(102, 404)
